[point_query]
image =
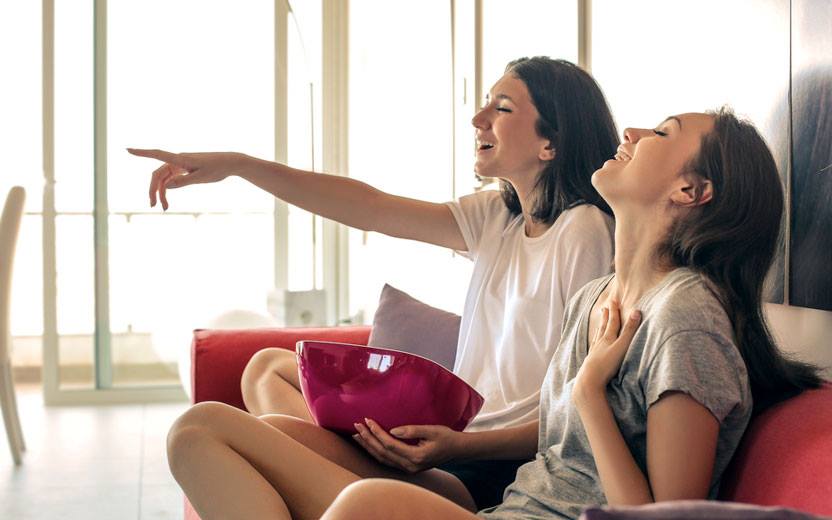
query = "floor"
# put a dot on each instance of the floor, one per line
(90, 462)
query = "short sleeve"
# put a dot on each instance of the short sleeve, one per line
(473, 213)
(703, 365)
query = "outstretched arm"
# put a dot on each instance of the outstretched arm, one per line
(342, 199)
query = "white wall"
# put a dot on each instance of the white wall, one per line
(805, 332)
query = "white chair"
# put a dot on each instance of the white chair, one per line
(9, 228)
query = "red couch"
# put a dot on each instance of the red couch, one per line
(785, 458)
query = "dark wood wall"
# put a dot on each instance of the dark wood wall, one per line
(810, 245)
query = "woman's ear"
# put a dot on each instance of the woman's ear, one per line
(694, 192)
(547, 153)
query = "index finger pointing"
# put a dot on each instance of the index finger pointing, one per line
(162, 155)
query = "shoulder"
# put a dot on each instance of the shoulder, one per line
(485, 200)
(586, 294)
(687, 300)
(688, 345)
(687, 314)
(482, 209)
(582, 229)
(582, 219)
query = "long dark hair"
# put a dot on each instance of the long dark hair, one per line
(575, 118)
(732, 240)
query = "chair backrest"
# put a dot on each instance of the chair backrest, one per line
(9, 229)
(785, 457)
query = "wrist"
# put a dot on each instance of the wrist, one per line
(585, 395)
(244, 166)
(459, 445)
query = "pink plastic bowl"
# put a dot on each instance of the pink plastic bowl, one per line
(344, 383)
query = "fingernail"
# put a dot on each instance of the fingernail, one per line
(356, 425)
(397, 431)
(635, 315)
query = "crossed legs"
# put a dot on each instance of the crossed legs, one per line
(380, 499)
(231, 464)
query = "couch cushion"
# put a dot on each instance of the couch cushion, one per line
(785, 457)
(694, 510)
(402, 322)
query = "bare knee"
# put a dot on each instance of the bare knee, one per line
(371, 499)
(189, 429)
(266, 363)
(259, 364)
(292, 426)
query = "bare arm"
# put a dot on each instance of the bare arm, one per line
(348, 201)
(517, 442)
(681, 447)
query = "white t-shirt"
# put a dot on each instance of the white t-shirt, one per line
(511, 323)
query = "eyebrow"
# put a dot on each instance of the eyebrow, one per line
(675, 119)
(499, 96)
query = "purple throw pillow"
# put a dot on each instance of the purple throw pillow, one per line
(404, 323)
(695, 510)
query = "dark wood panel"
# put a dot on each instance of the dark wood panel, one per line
(810, 271)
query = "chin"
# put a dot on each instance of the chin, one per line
(599, 176)
(610, 167)
(482, 170)
(604, 182)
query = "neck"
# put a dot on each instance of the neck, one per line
(525, 193)
(637, 269)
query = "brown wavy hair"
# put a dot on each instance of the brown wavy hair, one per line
(732, 240)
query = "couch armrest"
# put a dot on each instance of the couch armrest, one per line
(218, 357)
(785, 457)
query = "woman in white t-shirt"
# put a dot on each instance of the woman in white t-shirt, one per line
(544, 129)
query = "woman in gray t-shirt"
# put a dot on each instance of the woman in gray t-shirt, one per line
(661, 365)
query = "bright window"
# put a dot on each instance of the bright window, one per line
(400, 141)
(512, 30)
(203, 81)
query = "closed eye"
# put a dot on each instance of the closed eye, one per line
(503, 109)
(660, 133)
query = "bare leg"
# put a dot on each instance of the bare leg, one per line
(379, 499)
(270, 384)
(348, 455)
(233, 465)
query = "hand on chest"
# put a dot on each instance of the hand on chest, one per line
(604, 304)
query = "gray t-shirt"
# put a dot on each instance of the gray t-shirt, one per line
(684, 344)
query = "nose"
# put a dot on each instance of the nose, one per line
(480, 120)
(632, 135)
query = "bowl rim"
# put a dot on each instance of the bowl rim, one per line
(298, 346)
